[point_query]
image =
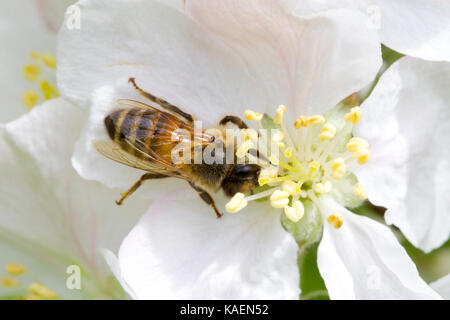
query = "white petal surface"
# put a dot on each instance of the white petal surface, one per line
(442, 286)
(417, 28)
(21, 32)
(180, 250)
(407, 124)
(364, 260)
(43, 200)
(307, 63)
(226, 64)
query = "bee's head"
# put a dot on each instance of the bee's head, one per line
(242, 178)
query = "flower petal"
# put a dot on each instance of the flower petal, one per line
(407, 124)
(308, 63)
(169, 55)
(43, 200)
(23, 24)
(442, 286)
(226, 64)
(364, 260)
(180, 250)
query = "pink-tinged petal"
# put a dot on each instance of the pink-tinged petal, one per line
(180, 250)
(308, 63)
(406, 121)
(363, 260)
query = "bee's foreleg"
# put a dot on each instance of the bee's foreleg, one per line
(234, 120)
(206, 197)
(163, 103)
(137, 184)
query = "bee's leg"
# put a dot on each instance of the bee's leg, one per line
(138, 183)
(163, 103)
(234, 120)
(206, 197)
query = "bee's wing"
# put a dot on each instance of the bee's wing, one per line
(112, 151)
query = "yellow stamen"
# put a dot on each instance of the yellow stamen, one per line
(277, 136)
(313, 168)
(30, 99)
(364, 158)
(323, 187)
(48, 90)
(296, 212)
(335, 219)
(316, 119)
(15, 269)
(48, 59)
(279, 199)
(354, 115)
(249, 134)
(288, 152)
(243, 148)
(252, 115)
(8, 282)
(290, 187)
(328, 132)
(281, 145)
(281, 110)
(360, 191)
(339, 168)
(237, 203)
(31, 72)
(356, 144)
(302, 121)
(42, 291)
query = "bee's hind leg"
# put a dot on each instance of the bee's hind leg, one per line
(137, 184)
(161, 102)
(207, 198)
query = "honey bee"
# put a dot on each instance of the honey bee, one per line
(142, 137)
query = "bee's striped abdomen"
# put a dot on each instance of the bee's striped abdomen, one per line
(140, 132)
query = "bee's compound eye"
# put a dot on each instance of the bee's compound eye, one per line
(247, 171)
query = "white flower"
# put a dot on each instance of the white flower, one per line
(50, 218)
(417, 28)
(28, 33)
(221, 57)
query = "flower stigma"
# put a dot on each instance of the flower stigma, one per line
(304, 163)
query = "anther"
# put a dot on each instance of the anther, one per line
(31, 72)
(288, 152)
(42, 291)
(281, 110)
(290, 187)
(323, 187)
(327, 132)
(296, 212)
(354, 115)
(30, 99)
(338, 168)
(252, 115)
(249, 134)
(279, 199)
(355, 144)
(237, 203)
(302, 121)
(335, 219)
(360, 191)
(243, 148)
(15, 269)
(8, 282)
(316, 119)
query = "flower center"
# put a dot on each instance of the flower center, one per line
(33, 72)
(35, 291)
(303, 165)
